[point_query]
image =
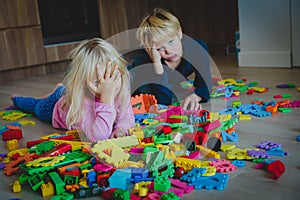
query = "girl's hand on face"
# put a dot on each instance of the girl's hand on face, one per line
(191, 102)
(106, 84)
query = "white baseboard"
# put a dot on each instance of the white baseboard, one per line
(265, 59)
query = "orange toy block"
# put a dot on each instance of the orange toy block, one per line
(142, 103)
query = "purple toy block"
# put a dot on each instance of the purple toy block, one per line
(258, 154)
(268, 145)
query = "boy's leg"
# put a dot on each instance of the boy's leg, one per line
(44, 108)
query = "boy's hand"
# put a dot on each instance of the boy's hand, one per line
(107, 84)
(155, 57)
(191, 102)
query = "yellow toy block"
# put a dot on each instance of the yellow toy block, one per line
(47, 189)
(123, 142)
(45, 161)
(210, 171)
(75, 145)
(126, 164)
(208, 152)
(187, 164)
(75, 133)
(14, 116)
(12, 144)
(16, 187)
(137, 131)
(50, 135)
(21, 151)
(141, 188)
(150, 121)
(245, 117)
(110, 152)
(238, 154)
(25, 122)
(214, 116)
(225, 147)
(168, 153)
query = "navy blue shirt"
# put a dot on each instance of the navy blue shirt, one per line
(166, 87)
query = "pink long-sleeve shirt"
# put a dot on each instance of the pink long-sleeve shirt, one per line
(99, 119)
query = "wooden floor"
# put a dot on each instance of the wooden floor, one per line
(246, 183)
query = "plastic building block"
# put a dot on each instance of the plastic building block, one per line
(238, 163)
(223, 165)
(13, 166)
(187, 164)
(208, 152)
(137, 131)
(109, 193)
(169, 196)
(12, 144)
(110, 152)
(12, 134)
(217, 181)
(162, 184)
(268, 145)
(35, 182)
(119, 179)
(121, 194)
(58, 182)
(142, 103)
(258, 154)
(44, 146)
(47, 189)
(238, 154)
(16, 187)
(276, 168)
(141, 188)
(193, 175)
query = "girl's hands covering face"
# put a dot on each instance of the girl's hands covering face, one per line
(107, 83)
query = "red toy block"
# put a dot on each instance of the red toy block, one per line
(276, 168)
(12, 134)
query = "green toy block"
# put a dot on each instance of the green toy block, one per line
(162, 184)
(169, 196)
(121, 194)
(58, 182)
(35, 182)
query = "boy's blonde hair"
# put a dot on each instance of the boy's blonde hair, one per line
(157, 27)
(84, 59)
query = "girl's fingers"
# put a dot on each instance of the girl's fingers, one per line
(92, 86)
(115, 74)
(108, 70)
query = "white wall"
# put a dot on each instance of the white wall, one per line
(295, 15)
(265, 36)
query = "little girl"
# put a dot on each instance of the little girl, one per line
(94, 98)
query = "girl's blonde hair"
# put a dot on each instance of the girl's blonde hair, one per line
(84, 59)
(157, 27)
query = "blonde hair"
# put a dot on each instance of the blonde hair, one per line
(84, 59)
(157, 27)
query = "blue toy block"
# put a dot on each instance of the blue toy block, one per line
(238, 163)
(119, 179)
(233, 137)
(218, 181)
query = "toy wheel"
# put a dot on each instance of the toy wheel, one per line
(95, 191)
(82, 193)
